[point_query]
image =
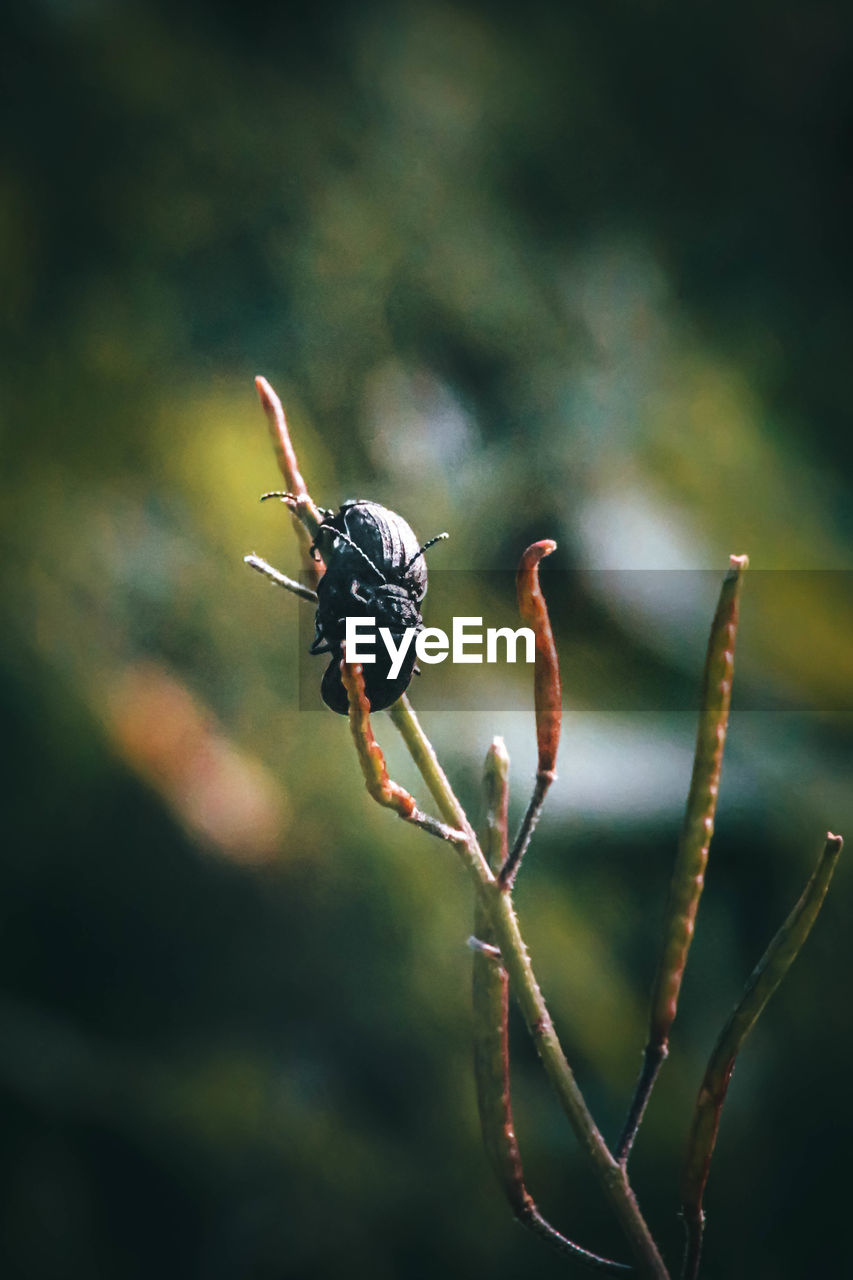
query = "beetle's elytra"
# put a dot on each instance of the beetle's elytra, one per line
(375, 567)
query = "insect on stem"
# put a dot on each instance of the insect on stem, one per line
(383, 537)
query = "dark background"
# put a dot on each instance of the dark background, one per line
(519, 271)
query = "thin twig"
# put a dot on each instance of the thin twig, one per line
(688, 877)
(282, 444)
(531, 817)
(490, 998)
(307, 517)
(765, 978)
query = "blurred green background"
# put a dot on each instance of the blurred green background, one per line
(578, 271)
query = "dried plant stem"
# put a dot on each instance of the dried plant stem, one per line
(688, 877)
(307, 517)
(547, 698)
(765, 978)
(499, 910)
(284, 451)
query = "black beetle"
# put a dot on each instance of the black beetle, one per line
(375, 568)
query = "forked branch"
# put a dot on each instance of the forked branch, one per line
(490, 991)
(498, 906)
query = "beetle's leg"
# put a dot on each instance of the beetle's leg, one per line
(315, 553)
(320, 643)
(326, 515)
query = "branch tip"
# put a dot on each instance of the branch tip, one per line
(547, 696)
(306, 510)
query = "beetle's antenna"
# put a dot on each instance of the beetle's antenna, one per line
(280, 493)
(439, 537)
(336, 533)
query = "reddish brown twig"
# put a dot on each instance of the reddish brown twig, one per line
(379, 785)
(307, 517)
(547, 697)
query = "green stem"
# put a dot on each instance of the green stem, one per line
(421, 750)
(688, 876)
